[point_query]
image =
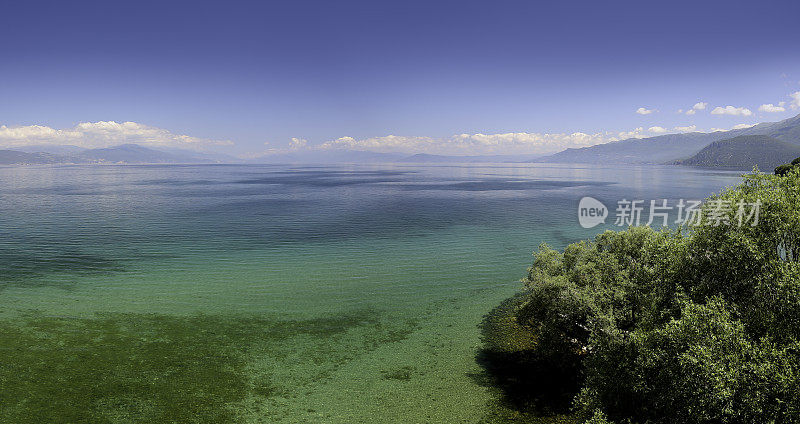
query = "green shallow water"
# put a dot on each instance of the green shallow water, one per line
(272, 293)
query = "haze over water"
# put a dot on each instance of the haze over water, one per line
(321, 293)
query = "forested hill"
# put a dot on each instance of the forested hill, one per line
(744, 152)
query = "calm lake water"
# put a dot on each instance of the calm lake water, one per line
(276, 293)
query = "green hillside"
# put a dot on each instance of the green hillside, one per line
(744, 152)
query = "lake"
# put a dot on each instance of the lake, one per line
(231, 293)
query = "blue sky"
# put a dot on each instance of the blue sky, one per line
(440, 76)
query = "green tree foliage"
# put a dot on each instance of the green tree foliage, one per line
(695, 325)
(783, 170)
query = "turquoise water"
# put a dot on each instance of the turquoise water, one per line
(277, 293)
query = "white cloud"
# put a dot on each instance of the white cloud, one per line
(770, 108)
(735, 127)
(479, 144)
(624, 135)
(731, 110)
(297, 143)
(795, 103)
(101, 134)
(697, 106)
(466, 144)
(644, 111)
(486, 144)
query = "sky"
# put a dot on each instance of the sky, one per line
(451, 77)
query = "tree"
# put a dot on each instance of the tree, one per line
(695, 325)
(783, 170)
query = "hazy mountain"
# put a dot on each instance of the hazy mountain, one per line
(129, 153)
(358, 156)
(787, 130)
(13, 157)
(65, 150)
(426, 158)
(744, 152)
(329, 156)
(672, 147)
(654, 150)
(126, 153)
(136, 154)
(200, 157)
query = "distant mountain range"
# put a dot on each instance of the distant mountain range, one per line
(13, 157)
(670, 148)
(778, 142)
(329, 156)
(136, 154)
(358, 156)
(123, 154)
(745, 151)
(426, 158)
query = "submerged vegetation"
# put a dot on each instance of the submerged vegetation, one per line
(120, 368)
(698, 325)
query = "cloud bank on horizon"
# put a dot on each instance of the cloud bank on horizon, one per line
(110, 133)
(102, 134)
(498, 144)
(533, 143)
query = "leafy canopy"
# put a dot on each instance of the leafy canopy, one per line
(693, 325)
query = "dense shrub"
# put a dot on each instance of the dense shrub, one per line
(782, 170)
(695, 325)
